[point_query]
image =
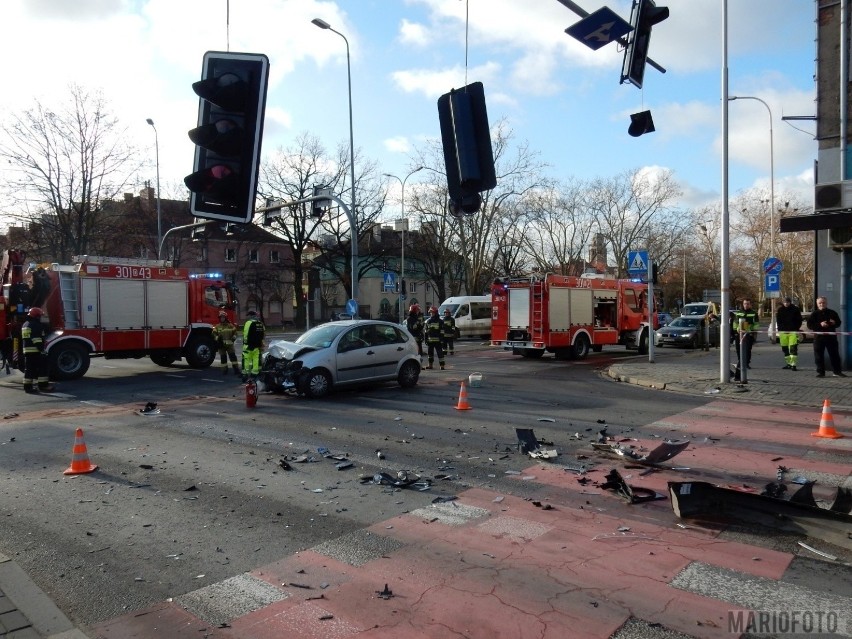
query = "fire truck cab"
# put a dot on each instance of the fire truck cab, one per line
(568, 316)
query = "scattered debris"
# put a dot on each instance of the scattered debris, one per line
(283, 463)
(149, 409)
(444, 499)
(10, 415)
(660, 454)
(547, 419)
(344, 465)
(800, 514)
(403, 479)
(387, 593)
(527, 443)
(633, 495)
(817, 552)
(380, 454)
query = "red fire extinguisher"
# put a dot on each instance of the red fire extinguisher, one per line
(251, 393)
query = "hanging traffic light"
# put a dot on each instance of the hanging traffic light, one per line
(319, 207)
(641, 123)
(466, 139)
(644, 16)
(228, 136)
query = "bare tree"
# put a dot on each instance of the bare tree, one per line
(64, 164)
(629, 206)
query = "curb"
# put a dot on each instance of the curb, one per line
(47, 619)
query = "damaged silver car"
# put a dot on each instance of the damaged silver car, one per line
(339, 354)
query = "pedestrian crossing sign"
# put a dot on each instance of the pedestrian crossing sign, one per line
(637, 262)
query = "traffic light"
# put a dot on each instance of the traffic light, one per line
(654, 273)
(641, 123)
(466, 139)
(319, 207)
(645, 15)
(228, 136)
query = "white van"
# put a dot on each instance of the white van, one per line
(471, 313)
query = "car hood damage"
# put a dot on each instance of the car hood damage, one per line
(280, 365)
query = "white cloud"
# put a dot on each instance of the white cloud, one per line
(413, 33)
(398, 144)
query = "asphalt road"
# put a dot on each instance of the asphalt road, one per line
(196, 494)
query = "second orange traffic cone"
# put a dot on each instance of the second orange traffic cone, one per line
(462, 405)
(80, 457)
(826, 424)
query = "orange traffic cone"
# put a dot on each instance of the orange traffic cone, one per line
(463, 405)
(826, 423)
(80, 457)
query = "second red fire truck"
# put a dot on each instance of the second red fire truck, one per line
(568, 316)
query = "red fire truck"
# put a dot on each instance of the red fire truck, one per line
(112, 307)
(568, 316)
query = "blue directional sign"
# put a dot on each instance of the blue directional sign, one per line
(772, 266)
(637, 262)
(600, 28)
(352, 307)
(389, 282)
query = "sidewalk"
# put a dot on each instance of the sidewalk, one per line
(698, 373)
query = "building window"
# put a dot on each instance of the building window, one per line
(230, 255)
(201, 256)
(253, 256)
(274, 257)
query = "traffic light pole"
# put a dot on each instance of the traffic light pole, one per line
(353, 229)
(178, 228)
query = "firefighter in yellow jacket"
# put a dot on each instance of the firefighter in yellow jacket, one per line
(449, 332)
(225, 333)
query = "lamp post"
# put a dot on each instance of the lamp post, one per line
(772, 331)
(322, 24)
(402, 226)
(157, 152)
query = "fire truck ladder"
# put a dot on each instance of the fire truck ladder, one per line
(537, 311)
(70, 303)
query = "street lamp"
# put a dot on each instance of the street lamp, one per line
(322, 24)
(157, 151)
(772, 330)
(403, 224)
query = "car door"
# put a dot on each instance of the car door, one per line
(352, 361)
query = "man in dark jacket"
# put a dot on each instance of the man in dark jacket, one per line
(414, 324)
(744, 325)
(433, 330)
(788, 321)
(824, 323)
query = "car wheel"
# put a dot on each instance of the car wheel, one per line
(694, 343)
(409, 374)
(201, 351)
(643, 343)
(314, 383)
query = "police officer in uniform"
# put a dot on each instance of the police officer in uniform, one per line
(253, 334)
(35, 364)
(226, 333)
(433, 330)
(449, 332)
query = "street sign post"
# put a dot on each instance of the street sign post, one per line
(638, 264)
(599, 28)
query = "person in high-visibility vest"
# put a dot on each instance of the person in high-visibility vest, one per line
(788, 321)
(35, 364)
(225, 334)
(449, 332)
(253, 334)
(433, 330)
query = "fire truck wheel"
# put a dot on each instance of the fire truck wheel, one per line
(201, 351)
(581, 346)
(68, 361)
(314, 383)
(163, 359)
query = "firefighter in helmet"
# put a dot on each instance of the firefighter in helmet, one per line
(414, 324)
(253, 334)
(433, 329)
(35, 363)
(225, 333)
(449, 332)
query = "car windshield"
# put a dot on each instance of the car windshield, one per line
(689, 322)
(453, 308)
(321, 336)
(701, 309)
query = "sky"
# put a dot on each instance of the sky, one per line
(558, 96)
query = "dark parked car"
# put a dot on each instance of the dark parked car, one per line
(684, 331)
